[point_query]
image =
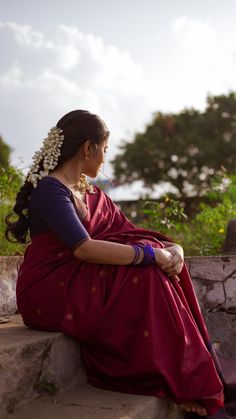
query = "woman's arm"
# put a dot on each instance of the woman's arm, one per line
(105, 252)
(100, 251)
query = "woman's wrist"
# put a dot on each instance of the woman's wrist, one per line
(149, 255)
(138, 255)
(143, 255)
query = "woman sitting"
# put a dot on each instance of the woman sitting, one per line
(122, 291)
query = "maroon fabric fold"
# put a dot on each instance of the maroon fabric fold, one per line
(140, 331)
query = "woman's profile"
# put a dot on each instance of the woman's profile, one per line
(122, 291)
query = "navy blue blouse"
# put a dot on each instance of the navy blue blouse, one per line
(52, 208)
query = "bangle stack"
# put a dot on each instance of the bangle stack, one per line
(137, 250)
(148, 255)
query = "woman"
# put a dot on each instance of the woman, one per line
(90, 273)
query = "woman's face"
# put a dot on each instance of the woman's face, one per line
(96, 159)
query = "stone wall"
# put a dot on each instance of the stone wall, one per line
(214, 280)
(8, 273)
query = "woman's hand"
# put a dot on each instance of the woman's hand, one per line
(170, 259)
(176, 263)
(162, 256)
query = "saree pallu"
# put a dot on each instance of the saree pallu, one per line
(140, 331)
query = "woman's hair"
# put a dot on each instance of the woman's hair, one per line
(78, 126)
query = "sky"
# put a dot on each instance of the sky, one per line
(124, 60)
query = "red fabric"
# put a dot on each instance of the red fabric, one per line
(140, 331)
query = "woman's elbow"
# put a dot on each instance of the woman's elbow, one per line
(83, 251)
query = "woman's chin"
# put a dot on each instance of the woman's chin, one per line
(92, 175)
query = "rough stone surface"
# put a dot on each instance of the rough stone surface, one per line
(30, 360)
(230, 291)
(64, 351)
(222, 327)
(210, 295)
(212, 268)
(8, 274)
(214, 280)
(86, 402)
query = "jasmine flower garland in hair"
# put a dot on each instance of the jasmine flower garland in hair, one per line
(48, 155)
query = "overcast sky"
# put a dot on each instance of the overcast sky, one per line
(122, 59)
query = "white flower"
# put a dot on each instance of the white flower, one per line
(47, 156)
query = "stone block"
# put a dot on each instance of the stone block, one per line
(210, 294)
(230, 291)
(87, 402)
(63, 352)
(31, 360)
(222, 329)
(8, 274)
(212, 268)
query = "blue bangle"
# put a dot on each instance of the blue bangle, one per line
(149, 255)
(136, 255)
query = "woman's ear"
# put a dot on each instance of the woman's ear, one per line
(87, 149)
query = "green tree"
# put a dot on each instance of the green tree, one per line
(10, 182)
(185, 149)
(5, 152)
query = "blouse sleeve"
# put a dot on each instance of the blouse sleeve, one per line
(51, 200)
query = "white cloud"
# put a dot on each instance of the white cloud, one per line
(44, 75)
(26, 35)
(12, 78)
(204, 61)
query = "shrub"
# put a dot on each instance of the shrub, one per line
(10, 183)
(204, 234)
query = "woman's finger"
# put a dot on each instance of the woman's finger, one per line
(174, 277)
(174, 270)
(173, 262)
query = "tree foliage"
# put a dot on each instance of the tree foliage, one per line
(5, 152)
(185, 149)
(203, 234)
(10, 182)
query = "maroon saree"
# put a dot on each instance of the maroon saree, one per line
(140, 331)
